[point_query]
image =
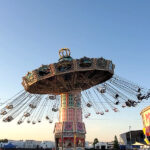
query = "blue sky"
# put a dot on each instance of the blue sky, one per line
(32, 32)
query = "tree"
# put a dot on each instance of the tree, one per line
(116, 144)
(95, 142)
(3, 140)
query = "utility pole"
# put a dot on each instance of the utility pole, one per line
(130, 137)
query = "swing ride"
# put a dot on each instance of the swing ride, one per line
(72, 87)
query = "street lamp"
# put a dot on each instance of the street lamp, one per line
(130, 136)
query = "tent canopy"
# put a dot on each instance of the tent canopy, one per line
(9, 145)
(138, 144)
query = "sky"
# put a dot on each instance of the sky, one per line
(32, 32)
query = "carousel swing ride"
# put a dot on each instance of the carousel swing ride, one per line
(72, 87)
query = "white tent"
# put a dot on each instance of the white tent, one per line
(141, 145)
(138, 144)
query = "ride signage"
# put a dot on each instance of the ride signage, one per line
(146, 123)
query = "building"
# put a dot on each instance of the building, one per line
(129, 138)
(101, 145)
(110, 145)
(47, 144)
(2, 145)
(18, 144)
(31, 144)
(88, 145)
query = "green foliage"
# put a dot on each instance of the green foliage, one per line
(3, 141)
(95, 142)
(116, 144)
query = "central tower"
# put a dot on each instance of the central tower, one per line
(70, 130)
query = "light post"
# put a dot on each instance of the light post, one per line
(130, 136)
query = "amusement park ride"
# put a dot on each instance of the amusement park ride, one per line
(71, 87)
